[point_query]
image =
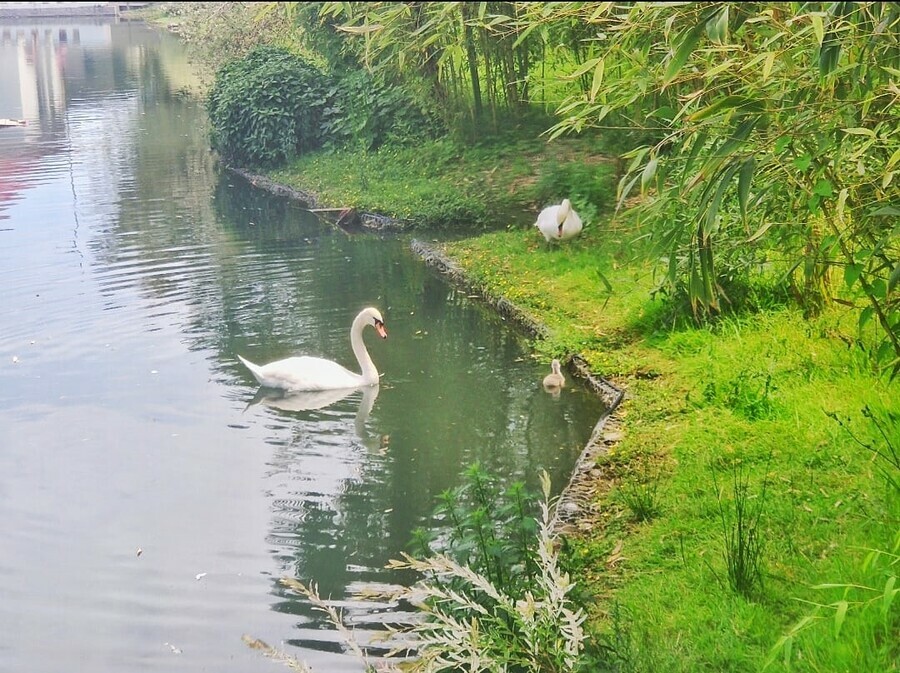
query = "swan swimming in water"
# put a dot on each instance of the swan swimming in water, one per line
(559, 223)
(554, 380)
(311, 373)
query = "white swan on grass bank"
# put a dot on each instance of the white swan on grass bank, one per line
(312, 373)
(559, 223)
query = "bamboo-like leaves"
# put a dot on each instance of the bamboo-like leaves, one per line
(745, 178)
(735, 96)
(686, 45)
(717, 25)
(598, 79)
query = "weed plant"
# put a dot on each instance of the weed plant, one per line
(488, 529)
(741, 534)
(472, 623)
(641, 497)
(479, 620)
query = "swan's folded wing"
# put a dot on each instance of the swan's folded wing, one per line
(308, 373)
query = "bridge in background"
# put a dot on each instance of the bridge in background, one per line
(30, 10)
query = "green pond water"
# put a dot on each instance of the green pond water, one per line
(150, 500)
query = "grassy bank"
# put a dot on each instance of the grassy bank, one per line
(443, 185)
(749, 400)
(758, 419)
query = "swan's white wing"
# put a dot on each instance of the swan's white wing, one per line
(546, 222)
(572, 225)
(307, 373)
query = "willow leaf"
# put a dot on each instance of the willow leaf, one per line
(587, 65)
(889, 594)
(713, 210)
(767, 66)
(745, 178)
(649, 172)
(688, 42)
(839, 616)
(895, 278)
(598, 79)
(727, 103)
(759, 232)
(818, 27)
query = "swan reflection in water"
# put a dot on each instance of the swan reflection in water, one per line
(310, 400)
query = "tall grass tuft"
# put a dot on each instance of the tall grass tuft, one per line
(872, 596)
(642, 498)
(743, 544)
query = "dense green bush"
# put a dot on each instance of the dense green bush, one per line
(267, 108)
(368, 112)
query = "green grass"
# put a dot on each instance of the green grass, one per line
(442, 185)
(754, 391)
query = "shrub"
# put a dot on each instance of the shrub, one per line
(475, 611)
(589, 186)
(483, 620)
(369, 112)
(267, 108)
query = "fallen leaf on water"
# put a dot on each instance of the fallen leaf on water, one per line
(140, 551)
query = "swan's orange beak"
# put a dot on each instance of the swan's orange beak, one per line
(379, 327)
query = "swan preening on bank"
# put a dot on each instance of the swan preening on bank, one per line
(311, 373)
(559, 223)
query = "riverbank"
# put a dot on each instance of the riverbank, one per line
(754, 411)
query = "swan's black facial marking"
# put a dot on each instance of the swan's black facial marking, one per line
(379, 327)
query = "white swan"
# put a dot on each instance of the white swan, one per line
(310, 373)
(559, 223)
(554, 379)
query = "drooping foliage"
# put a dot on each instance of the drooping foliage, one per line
(775, 144)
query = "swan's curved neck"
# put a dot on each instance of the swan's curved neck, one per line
(367, 367)
(563, 212)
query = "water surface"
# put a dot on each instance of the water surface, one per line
(149, 499)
